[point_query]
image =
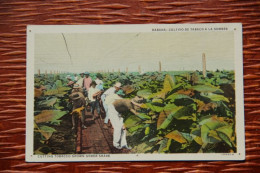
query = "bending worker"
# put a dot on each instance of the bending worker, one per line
(116, 107)
(108, 92)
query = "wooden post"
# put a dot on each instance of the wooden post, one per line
(39, 72)
(139, 69)
(204, 65)
(160, 66)
(126, 70)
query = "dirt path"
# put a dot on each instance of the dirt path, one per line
(96, 139)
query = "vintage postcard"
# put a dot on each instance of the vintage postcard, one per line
(134, 92)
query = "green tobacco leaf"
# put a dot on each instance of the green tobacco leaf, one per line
(177, 136)
(205, 119)
(144, 93)
(49, 116)
(167, 148)
(213, 134)
(180, 99)
(204, 134)
(131, 121)
(176, 88)
(38, 152)
(170, 117)
(169, 107)
(61, 91)
(57, 105)
(157, 100)
(58, 83)
(149, 121)
(227, 130)
(147, 130)
(187, 136)
(208, 129)
(160, 94)
(177, 96)
(195, 134)
(186, 111)
(143, 116)
(135, 128)
(225, 138)
(155, 139)
(168, 83)
(224, 81)
(225, 110)
(196, 131)
(168, 86)
(206, 88)
(213, 124)
(198, 140)
(217, 98)
(48, 103)
(46, 131)
(154, 107)
(163, 115)
(163, 145)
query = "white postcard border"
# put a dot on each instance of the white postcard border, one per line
(33, 29)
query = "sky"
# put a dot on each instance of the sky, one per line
(81, 52)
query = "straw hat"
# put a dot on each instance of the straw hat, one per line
(70, 83)
(118, 84)
(75, 96)
(76, 86)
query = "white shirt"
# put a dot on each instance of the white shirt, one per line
(80, 82)
(91, 92)
(110, 91)
(111, 98)
(98, 81)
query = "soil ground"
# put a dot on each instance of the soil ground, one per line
(63, 141)
(97, 139)
(94, 139)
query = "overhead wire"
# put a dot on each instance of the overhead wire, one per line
(67, 47)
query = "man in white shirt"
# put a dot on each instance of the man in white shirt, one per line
(93, 92)
(99, 82)
(117, 106)
(75, 77)
(80, 80)
(108, 92)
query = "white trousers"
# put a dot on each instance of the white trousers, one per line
(119, 136)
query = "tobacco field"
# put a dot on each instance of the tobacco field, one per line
(52, 119)
(181, 112)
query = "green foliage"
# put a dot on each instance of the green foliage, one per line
(186, 117)
(144, 93)
(181, 111)
(49, 109)
(51, 116)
